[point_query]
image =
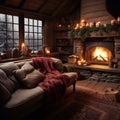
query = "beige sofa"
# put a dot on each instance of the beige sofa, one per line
(18, 101)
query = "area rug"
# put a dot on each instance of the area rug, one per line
(82, 106)
(79, 105)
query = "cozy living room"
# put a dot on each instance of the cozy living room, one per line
(59, 60)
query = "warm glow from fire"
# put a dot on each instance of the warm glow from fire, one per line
(82, 62)
(47, 50)
(100, 54)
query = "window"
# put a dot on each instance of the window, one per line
(9, 32)
(33, 34)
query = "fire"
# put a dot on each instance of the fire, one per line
(100, 54)
(82, 62)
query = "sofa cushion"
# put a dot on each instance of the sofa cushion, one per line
(8, 68)
(4, 94)
(27, 67)
(4, 80)
(28, 76)
(24, 96)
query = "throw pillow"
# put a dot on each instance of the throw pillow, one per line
(28, 76)
(27, 67)
(4, 94)
(4, 80)
(8, 68)
(58, 64)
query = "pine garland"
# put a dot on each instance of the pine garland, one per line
(86, 31)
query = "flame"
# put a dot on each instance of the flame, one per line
(100, 54)
(82, 62)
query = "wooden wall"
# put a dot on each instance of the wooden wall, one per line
(48, 33)
(95, 10)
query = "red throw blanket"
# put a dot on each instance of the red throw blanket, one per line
(54, 83)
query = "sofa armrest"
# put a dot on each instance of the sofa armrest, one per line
(68, 68)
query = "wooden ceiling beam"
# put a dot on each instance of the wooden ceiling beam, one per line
(61, 6)
(57, 7)
(21, 3)
(16, 11)
(41, 6)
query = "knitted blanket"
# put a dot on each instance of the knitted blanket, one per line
(55, 82)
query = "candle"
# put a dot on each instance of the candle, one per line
(47, 50)
(23, 49)
(118, 19)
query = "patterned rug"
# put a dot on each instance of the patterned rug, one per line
(83, 106)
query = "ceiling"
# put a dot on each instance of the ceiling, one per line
(44, 8)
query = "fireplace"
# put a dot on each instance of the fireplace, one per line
(99, 50)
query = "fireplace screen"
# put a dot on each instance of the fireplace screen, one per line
(98, 54)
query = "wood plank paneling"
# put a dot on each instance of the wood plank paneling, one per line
(95, 10)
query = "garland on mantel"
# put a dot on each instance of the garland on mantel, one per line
(95, 29)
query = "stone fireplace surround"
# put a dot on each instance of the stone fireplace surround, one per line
(90, 45)
(97, 72)
(112, 43)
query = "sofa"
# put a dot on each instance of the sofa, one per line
(19, 98)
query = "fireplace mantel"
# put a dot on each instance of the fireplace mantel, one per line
(103, 36)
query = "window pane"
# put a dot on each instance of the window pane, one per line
(2, 17)
(35, 22)
(26, 20)
(2, 38)
(40, 42)
(30, 28)
(15, 18)
(39, 23)
(16, 43)
(39, 36)
(40, 29)
(16, 35)
(30, 22)
(30, 36)
(26, 28)
(35, 36)
(9, 27)
(3, 26)
(35, 29)
(16, 27)
(9, 18)
(31, 42)
(26, 36)
(26, 41)
(9, 35)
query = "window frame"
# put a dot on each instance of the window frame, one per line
(20, 33)
(31, 24)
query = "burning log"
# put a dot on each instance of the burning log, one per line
(99, 59)
(95, 58)
(103, 58)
